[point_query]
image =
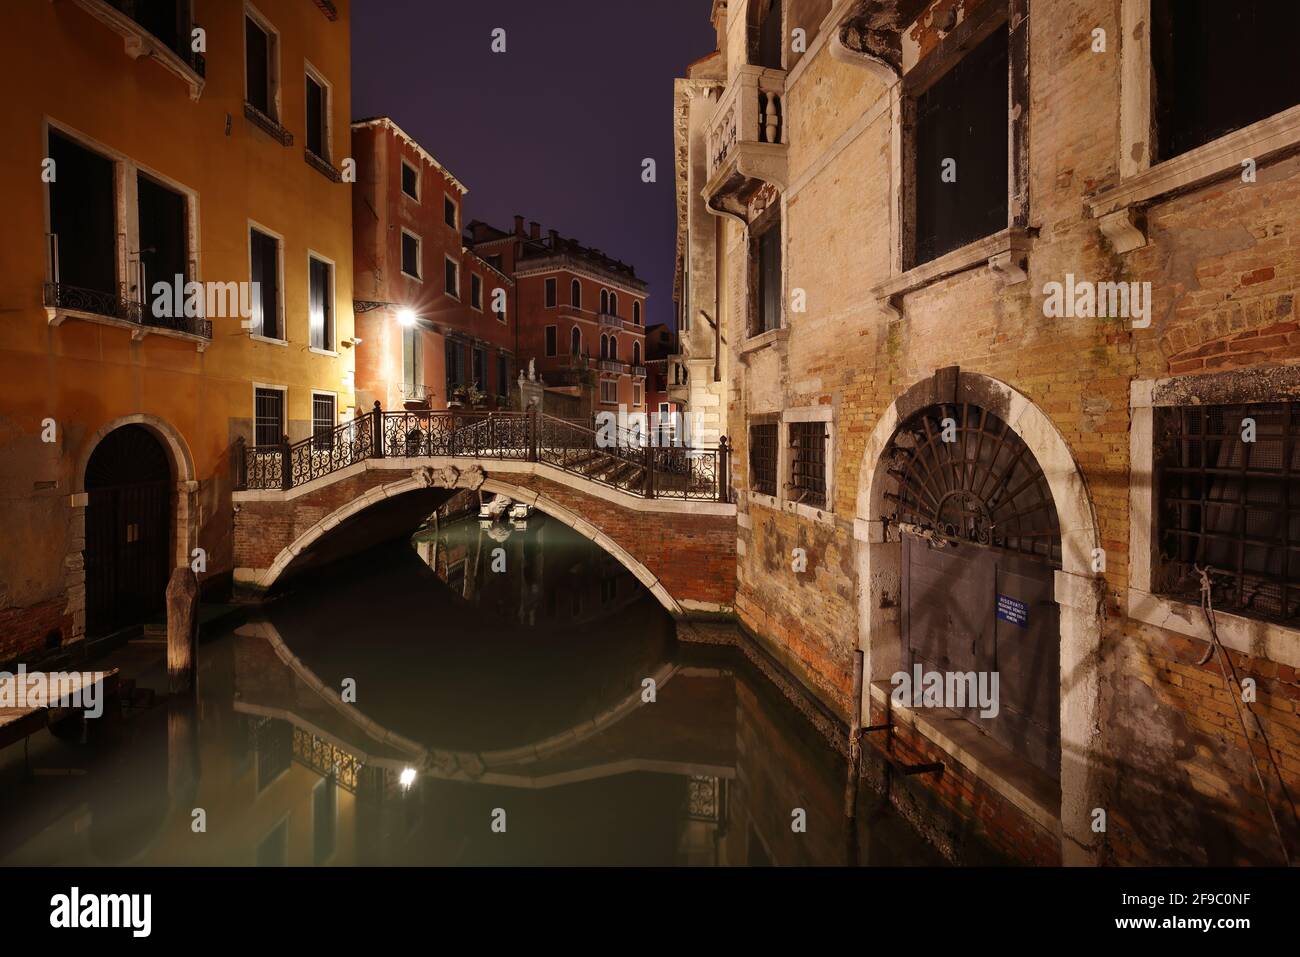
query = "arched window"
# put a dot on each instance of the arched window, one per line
(604, 301)
(613, 347)
(575, 342)
(636, 311)
(636, 353)
(575, 294)
(604, 347)
(613, 304)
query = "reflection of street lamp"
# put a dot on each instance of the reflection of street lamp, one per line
(406, 317)
(407, 778)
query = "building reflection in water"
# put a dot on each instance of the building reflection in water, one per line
(521, 690)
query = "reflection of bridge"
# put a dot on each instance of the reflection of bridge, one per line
(665, 514)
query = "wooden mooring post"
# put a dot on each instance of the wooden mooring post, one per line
(182, 630)
(855, 740)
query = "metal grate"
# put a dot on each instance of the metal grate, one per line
(1228, 487)
(808, 463)
(269, 417)
(322, 421)
(762, 457)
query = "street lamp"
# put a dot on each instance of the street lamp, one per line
(406, 317)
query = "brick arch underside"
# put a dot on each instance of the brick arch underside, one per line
(296, 556)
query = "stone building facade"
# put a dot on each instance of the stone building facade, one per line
(1006, 333)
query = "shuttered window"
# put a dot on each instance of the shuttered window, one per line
(266, 274)
(320, 304)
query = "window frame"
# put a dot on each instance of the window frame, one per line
(768, 223)
(334, 399)
(419, 254)
(550, 293)
(449, 200)
(755, 493)
(476, 291)
(282, 315)
(331, 318)
(607, 381)
(274, 92)
(550, 341)
(283, 390)
(327, 112)
(1249, 636)
(401, 181)
(454, 273)
(575, 294)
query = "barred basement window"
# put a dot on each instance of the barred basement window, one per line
(808, 463)
(322, 420)
(1227, 482)
(268, 416)
(762, 457)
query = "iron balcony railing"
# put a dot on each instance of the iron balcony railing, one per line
(180, 43)
(619, 459)
(119, 305)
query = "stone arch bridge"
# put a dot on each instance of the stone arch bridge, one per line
(664, 513)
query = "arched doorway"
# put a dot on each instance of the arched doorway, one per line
(981, 545)
(128, 529)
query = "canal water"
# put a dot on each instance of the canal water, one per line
(489, 692)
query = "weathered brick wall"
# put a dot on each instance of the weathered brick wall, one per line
(693, 555)
(1223, 262)
(28, 633)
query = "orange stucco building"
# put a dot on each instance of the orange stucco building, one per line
(204, 140)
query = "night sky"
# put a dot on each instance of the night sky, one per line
(555, 128)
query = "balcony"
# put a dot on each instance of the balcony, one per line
(639, 370)
(613, 365)
(63, 302)
(171, 47)
(416, 395)
(747, 140)
(611, 320)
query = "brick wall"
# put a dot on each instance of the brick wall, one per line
(25, 632)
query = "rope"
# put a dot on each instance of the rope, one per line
(1238, 700)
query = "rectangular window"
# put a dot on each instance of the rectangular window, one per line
(259, 67)
(449, 211)
(320, 304)
(455, 364)
(636, 393)
(164, 235)
(1218, 67)
(808, 463)
(322, 420)
(410, 180)
(503, 376)
(961, 149)
(268, 412)
(550, 293)
(766, 276)
(317, 118)
(266, 275)
(762, 457)
(480, 369)
(411, 255)
(412, 364)
(550, 340)
(1227, 485)
(83, 218)
(451, 278)
(476, 291)
(609, 391)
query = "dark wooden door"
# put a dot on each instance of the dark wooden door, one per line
(128, 530)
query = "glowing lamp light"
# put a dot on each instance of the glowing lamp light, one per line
(407, 778)
(407, 318)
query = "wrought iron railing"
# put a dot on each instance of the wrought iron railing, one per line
(617, 458)
(120, 305)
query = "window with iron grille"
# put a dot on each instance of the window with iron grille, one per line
(1228, 500)
(268, 423)
(808, 463)
(322, 420)
(762, 457)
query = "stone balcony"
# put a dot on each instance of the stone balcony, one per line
(747, 141)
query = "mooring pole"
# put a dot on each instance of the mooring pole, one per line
(855, 739)
(182, 630)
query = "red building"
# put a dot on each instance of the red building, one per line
(581, 315)
(434, 320)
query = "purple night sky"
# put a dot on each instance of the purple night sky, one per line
(555, 128)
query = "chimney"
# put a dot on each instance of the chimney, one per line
(519, 225)
(534, 230)
(555, 238)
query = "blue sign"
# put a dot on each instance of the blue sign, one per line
(1013, 610)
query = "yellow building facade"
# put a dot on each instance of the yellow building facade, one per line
(198, 145)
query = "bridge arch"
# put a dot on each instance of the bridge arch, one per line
(538, 500)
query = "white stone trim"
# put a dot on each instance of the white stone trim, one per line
(879, 565)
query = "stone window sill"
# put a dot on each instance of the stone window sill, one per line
(764, 339)
(1117, 208)
(1023, 785)
(267, 339)
(1249, 636)
(809, 512)
(322, 352)
(765, 500)
(1006, 253)
(139, 331)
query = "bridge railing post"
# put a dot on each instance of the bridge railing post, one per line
(649, 468)
(723, 471)
(377, 431)
(532, 434)
(286, 464)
